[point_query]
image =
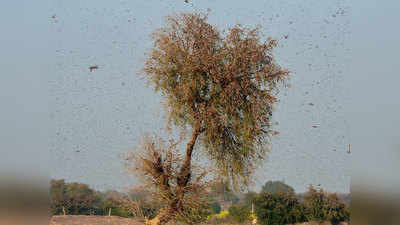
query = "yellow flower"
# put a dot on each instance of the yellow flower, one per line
(222, 214)
(253, 216)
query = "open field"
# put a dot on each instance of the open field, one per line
(116, 220)
(94, 220)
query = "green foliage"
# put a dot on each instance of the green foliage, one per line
(338, 211)
(275, 208)
(320, 206)
(75, 199)
(79, 199)
(57, 196)
(272, 187)
(239, 213)
(278, 209)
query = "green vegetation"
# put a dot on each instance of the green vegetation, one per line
(321, 206)
(220, 89)
(74, 199)
(78, 199)
(276, 187)
(278, 207)
(239, 213)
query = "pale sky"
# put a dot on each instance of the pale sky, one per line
(104, 113)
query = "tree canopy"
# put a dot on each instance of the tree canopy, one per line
(276, 187)
(221, 84)
(278, 209)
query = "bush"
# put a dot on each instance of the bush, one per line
(278, 209)
(320, 206)
(239, 213)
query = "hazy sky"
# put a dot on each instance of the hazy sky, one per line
(104, 113)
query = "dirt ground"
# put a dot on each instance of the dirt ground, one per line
(114, 220)
(93, 220)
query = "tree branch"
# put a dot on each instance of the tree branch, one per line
(185, 173)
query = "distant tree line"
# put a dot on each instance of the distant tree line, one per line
(276, 204)
(79, 199)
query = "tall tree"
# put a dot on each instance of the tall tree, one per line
(276, 187)
(80, 199)
(57, 196)
(322, 206)
(73, 198)
(220, 85)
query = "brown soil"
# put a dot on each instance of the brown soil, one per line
(115, 220)
(94, 220)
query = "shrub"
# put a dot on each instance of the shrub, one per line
(320, 206)
(239, 213)
(278, 209)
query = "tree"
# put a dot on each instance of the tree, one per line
(222, 87)
(116, 202)
(278, 209)
(57, 196)
(275, 187)
(338, 210)
(80, 199)
(316, 204)
(74, 198)
(321, 206)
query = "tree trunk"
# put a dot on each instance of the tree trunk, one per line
(182, 180)
(161, 219)
(184, 176)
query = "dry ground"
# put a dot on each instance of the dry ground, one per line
(114, 220)
(94, 220)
